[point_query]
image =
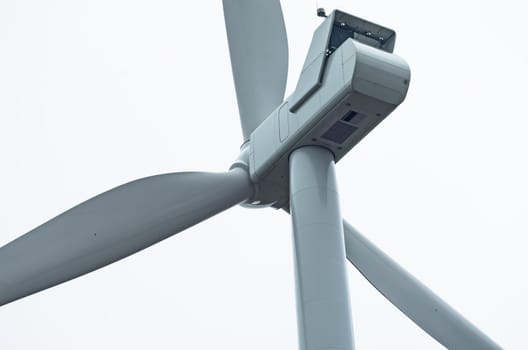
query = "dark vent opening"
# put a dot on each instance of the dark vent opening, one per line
(349, 116)
(339, 132)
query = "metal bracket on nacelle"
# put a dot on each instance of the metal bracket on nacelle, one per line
(334, 31)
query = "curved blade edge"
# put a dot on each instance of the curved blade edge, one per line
(412, 297)
(114, 225)
(258, 48)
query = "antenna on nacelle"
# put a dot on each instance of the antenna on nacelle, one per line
(321, 12)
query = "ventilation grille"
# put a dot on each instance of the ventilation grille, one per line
(339, 132)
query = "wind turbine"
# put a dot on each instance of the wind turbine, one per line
(95, 233)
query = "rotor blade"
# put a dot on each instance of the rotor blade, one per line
(413, 298)
(259, 57)
(113, 225)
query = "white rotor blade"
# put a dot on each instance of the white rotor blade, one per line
(113, 225)
(412, 297)
(259, 57)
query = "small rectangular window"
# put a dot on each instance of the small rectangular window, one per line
(349, 116)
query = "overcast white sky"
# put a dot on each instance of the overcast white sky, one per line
(94, 94)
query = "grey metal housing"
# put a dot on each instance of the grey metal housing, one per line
(356, 78)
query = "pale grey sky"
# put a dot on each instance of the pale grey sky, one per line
(94, 94)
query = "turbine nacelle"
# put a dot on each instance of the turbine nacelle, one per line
(349, 83)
